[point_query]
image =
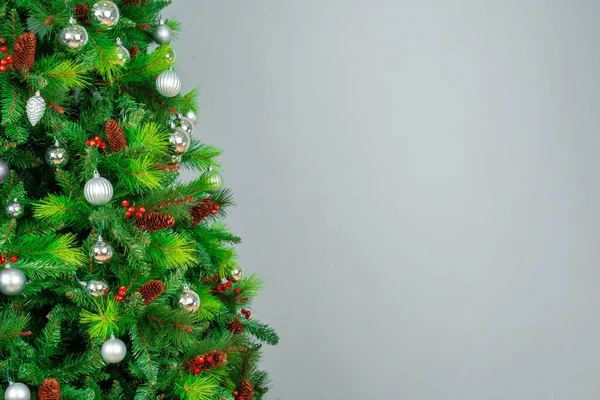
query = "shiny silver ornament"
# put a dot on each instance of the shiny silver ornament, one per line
(171, 56)
(237, 274)
(15, 209)
(12, 281)
(98, 191)
(163, 33)
(4, 171)
(168, 83)
(114, 350)
(192, 117)
(180, 140)
(102, 252)
(122, 53)
(96, 288)
(185, 124)
(104, 15)
(17, 391)
(175, 159)
(212, 180)
(74, 37)
(57, 156)
(36, 106)
(190, 300)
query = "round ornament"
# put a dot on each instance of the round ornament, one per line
(175, 159)
(36, 106)
(212, 180)
(114, 350)
(104, 15)
(184, 123)
(163, 33)
(237, 274)
(12, 281)
(168, 83)
(192, 117)
(98, 191)
(180, 140)
(74, 36)
(102, 252)
(96, 288)
(4, 171)
(17, 391)
(171, 56)
(122, 53)
(189, 301)
(57, 156)
(15, 209)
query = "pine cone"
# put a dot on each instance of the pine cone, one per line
(151, 290)
(246, 390)
(24, 52)
(81, 13)
(218, 358)
(201, 211)
(116, 138)
(236, 327)
(49, 390)
(154, 221)
(134, 50)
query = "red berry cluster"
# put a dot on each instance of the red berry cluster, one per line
(224, 286)
(12, 259)
(121, 295)
(236, 395)
(246, 313)
(199, 362)
(131, 210)
(5, 61)
(215, 208)
(96, 142)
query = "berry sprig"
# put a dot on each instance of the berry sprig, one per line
(236, 395)
(199, 362)
(215, 209)
(246, 313)
(12, 259)
(131, 210)
(224, 286)
(96, 142)
(7, 60)
(121, 295)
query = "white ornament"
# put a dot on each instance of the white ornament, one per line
(163, 33)
(36, 106)
(168, 83)
(12, 281)
(192, 117)
(98, 191)
(17, 391)
(114, 350)
(74, 36)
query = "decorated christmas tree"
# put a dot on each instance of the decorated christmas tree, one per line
(118, 280)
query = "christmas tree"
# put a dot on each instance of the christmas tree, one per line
(118, 280)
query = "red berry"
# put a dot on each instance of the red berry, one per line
(102, 145)
(237, 291)
(213, 211)
(244, 311)
(9, 59)
(118, 298)
(123, 288)
(209, 359)
(216, 206)
(240, 398)
(3, 68)
(97, 139)
(2, 259)
(219, 288)
(128, 214)
(142, 209)
(125, 203)
(14, 259)
(197, 371)
(235, 393)
(131, 210)
(139, 215)
(4, 49)
(196, 361)
(89, 143)
(248, 315)
(201, 360)
(4, 61)
(106, 291)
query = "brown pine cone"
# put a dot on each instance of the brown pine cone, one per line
(134, 50)
(49, 390)
(154, 221)
(151, 290)
(81, 13)
(201, 211)
(236, 327)
(246, 390)
(218, 358)
(116, 138)
(24, 52)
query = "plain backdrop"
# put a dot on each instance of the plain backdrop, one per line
(418, 185)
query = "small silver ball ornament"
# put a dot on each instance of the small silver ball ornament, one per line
(175, 159)
(74, 37)
(15, 209)
(171, 56)
(114, 350)
(237, 274)
(189, 300)
(17, 391)
(96, 288)
(168, 83)
(212, 180)
(4, 171)
(122, 53)
(163, 33)
(192, 117)
(57, 156)
(12, 281)
(184, 123)
(98, 191)
(104, 15)
(180, 140)
(102, 252)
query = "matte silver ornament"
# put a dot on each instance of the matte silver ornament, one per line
(98, 191)
(12, 281)
(96, 288)
(168, 83)
(57, 156)
(15, 209)
(17, 391)
(163, 33)
(104, 15)
(4, 171)
(212, 180)
(190, 300)
(180, 140)
(74, 37)
(122, 53)
(102, 252)
(36, 106)
(192, 117)
(237, 274)
(114, 350)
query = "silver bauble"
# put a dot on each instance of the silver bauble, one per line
(180, 140)
(57, 156)
(171, 56)
(102, 252)
(212, 180)
(74, 36)
(237, 274)
(36, 106)
(15, 209)
(168, 83)
(98, 191)
(4, 171)
(96, 288)
(17, 391)
(192, 117)
(114, 350)
(189, 300)
(122, 53)
(185, 123)
(175, 159)
(163, 33)
(104, 15)
(12, 281)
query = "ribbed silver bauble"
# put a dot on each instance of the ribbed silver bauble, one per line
(57, 156)
(15, 209)
(114, 350)
(96, 288)
(12, 281)
(189, 300)
(122, 53)
(163, 33)
(36, 106)
(4, 171)
(74, 36)
(98, 191)
(102, 252)
(17, 391)
(104, 15)
(168, 83)
(180, 140)
(212, 180)
(192, 117)
(237, 274)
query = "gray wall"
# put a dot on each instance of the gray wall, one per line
(418, 183)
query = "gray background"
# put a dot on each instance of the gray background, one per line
(417, 182)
